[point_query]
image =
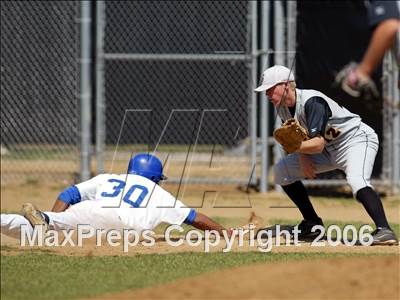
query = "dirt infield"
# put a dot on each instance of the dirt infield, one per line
(373, 277)
(339, 278)
(230, 203)
(89, 248)
(225, 201)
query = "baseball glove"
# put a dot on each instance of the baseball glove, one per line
(354, 85)
(290, 135)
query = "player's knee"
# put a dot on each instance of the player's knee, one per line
(357, 183)
(280, 174)
(365, 193)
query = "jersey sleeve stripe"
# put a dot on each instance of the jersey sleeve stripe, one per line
(70, 195)
(191, 217)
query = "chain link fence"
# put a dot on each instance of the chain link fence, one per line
(391, 123)
(39, 90)
(177, 78)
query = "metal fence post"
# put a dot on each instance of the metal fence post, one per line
(279, 56)
(386, 116)
(394, 119)
(265, 159)
(291, 12)
(211, 64)
(391, 124)
(396, 129)
(85, 96)
(100, 101)
(253, 122)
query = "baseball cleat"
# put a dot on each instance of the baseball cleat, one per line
(384, 236)
(34, 216)
(274, 230)
(306, 232)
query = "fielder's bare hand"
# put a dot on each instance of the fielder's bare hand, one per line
(307, 166)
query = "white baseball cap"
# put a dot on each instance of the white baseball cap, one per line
(274, 75)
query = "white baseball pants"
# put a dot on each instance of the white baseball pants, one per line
(356, 158)
(86, 212)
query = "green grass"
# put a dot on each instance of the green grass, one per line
(47, 276)
(62, 152)
(41, 152)
(207, 148)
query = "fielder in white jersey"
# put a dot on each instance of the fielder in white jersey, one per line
(111, 201)
(338, 140)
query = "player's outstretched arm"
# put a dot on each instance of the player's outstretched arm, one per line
(59, 206)
(71, 195)
(205, 223)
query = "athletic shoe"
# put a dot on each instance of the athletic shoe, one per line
(273, 230)
(306, 226)
(34, 216)
(384, 236)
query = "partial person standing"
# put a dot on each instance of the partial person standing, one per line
(384, 20)
(338, 139)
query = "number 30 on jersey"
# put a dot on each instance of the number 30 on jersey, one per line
(118, 187)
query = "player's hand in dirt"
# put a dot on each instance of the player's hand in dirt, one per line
(307, 166)
(252, 226)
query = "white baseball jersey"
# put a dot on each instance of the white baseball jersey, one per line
(138, 201)
(341, 125)
(111, 201)
(351, 145)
